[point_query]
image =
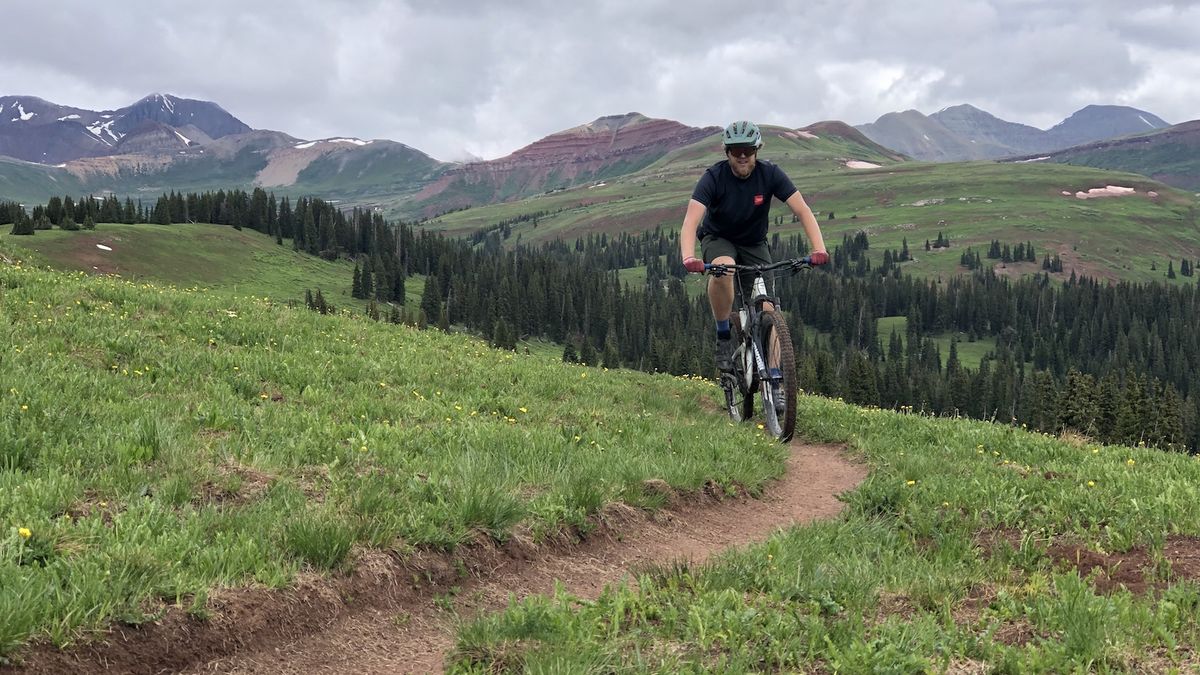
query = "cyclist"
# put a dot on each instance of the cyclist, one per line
(729, 211)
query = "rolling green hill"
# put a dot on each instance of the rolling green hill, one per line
(215, 257)
(1170, 155)
(1130, 237)
(32, 183)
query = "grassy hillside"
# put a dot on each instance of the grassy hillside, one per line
(156, 443)
(1171, 155)
(1132, 237)
(216, 257)
(971, 548)
(29, 183)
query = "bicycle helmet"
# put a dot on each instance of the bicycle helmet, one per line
(742, 132)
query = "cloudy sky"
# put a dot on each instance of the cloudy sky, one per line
(474, 78)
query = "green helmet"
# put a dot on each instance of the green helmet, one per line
(743, 132)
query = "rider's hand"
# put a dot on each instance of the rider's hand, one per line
(818, 258)
(693, 264)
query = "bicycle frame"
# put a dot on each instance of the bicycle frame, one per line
(755, 364)
(752, 367)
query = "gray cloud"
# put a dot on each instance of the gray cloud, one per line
(487, 78)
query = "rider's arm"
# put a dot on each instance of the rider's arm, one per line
(813, 230)
(691, 221)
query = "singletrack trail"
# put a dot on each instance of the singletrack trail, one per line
(399, 617)
(371, 642)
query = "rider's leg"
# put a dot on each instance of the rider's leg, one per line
(720, 297)
(720, 291)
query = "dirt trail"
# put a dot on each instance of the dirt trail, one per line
(371, 642)
(383, 622)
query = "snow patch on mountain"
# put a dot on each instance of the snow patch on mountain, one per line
(353, 141)
(21, 114)
(99, 129)
(72, 116)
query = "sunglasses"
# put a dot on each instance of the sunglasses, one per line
(742, 150)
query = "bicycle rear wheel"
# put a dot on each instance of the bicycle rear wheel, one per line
(778, 389)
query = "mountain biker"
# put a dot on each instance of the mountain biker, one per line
(733, 199)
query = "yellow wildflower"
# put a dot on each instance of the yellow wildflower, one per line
(24, 532)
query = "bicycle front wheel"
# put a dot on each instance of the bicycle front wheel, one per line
(778, 388)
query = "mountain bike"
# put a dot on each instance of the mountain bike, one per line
(763, 359)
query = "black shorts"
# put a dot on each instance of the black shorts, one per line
(713, 247)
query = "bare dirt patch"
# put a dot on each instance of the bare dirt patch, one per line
(1137, 570)
(397, 615)
(285, 164)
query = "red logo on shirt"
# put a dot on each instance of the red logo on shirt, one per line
(758, 200)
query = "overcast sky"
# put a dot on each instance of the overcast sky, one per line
(486, 78)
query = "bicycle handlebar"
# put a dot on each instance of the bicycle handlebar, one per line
(794, 264)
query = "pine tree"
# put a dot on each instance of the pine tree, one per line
(431, 304)
(356, 285)
(502, 336)
(861, 385)
(587, 353)
(612, 358)
(366, 286)
(23, 225)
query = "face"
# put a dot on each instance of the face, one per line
(741, 159)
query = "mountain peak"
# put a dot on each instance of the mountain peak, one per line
(1099, 122)
(609, 123)
(963, 132)
(963, 110)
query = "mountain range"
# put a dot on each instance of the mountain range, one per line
(964, 133)
(164, 142)
(36, 130)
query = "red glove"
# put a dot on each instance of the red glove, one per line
(693, 265)
(819, 258)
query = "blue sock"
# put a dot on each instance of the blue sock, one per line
(723, 329)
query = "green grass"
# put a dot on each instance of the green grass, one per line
(214, 257)
(958, 554)
(969, 353)
(158, 442)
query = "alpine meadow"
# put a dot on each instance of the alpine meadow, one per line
(348, 410)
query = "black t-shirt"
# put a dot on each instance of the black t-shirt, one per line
(738, 208)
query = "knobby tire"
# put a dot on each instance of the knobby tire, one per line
(776, 341)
